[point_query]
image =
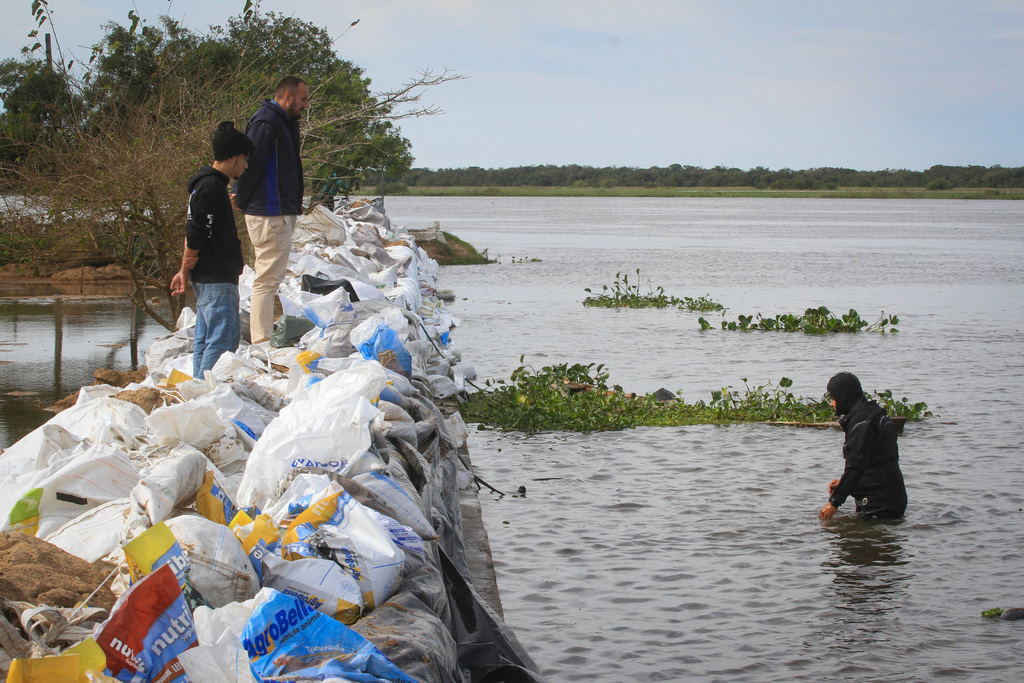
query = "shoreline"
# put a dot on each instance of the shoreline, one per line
(443, 247)
(712, 192)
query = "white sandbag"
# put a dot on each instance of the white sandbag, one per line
(86, 394)
(401, 384)
(94, 534)
(405, 255)
(319, 226)
(388, 277)
(224, 625)
(220, 656)
(221, 570)
(300, 494)
(398, 504)
(39, 503)
(442, 387)
(182, 364)
(171, 482)
(332, 343)
(245, 416)
(233, 365)
(104, 420)
(260, 389)
(405, 292)
(186, 319)
(39, 449)
(166, 349)
(397, 422)
(363, 233)
(342, 256)
(197, 425)
(368, 212)
(216, 664)
(325, 425)
(362, 546)
(421, 352)
(320, 583)
(325, 310)
(457, 428)
(245, 281)
(366, 291)
(407, 540)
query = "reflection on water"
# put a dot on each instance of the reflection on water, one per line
(51, 342)
(868, 564)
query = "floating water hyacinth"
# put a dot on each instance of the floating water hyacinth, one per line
(814, 321)
(623, 294)
(577, 398)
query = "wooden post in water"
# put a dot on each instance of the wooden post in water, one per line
(58, 345)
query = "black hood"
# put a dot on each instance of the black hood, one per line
(203, 172)
(845, 388)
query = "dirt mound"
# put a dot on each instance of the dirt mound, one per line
(34, 571)
(63, 404)
(20, 272)
(119, 379)
(148, 398)
(91, 274)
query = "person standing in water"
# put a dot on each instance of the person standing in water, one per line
(872, 475)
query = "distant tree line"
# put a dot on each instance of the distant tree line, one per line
(827, 178)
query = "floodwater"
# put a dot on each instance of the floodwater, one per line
(695, 553)
(52, 339)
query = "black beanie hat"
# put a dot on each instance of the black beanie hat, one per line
(845, 388)
(228, 142)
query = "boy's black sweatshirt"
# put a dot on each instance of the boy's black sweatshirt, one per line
(211, 228)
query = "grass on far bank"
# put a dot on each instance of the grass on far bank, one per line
(840, 193)
(454, 252)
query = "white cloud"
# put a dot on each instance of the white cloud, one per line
(870, 84)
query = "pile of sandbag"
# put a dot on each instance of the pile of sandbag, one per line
(292, 515)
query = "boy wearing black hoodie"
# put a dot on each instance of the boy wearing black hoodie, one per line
(871, 475)
(213, 253)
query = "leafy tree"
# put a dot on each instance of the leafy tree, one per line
(97, 156)
(39, 109)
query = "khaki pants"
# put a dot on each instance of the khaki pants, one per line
(272, 238)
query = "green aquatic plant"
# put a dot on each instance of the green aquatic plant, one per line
(577, 398)
(901, 407)
(524, 259)
(814, 321)
(559, 397)
(623, 294)
(701, 303)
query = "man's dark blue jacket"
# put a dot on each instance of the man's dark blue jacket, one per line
(272, 184)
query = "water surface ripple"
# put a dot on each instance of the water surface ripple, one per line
(695, 553)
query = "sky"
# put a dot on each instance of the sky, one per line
(862, 84)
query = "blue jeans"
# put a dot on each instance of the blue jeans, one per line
(217, 324)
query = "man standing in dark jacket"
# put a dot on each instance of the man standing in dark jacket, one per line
(213, 253)
(872, 473)
(269, 193)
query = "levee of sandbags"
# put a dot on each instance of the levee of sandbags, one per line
(296, 513)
